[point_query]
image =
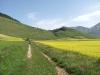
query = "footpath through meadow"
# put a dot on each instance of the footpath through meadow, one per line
(29, 54)
(37, 64)
(40, 64)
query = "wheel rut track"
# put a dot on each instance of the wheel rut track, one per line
(60, 71)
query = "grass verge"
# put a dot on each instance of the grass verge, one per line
(14, 61)
(74, 63)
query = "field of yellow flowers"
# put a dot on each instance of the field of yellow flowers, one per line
(90, 48)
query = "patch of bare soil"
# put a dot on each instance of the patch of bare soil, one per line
(29, 55)
(60, 71)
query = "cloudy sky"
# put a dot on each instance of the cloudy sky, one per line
(51, 14)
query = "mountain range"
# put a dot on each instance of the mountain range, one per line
(69, 32)
(95, 30)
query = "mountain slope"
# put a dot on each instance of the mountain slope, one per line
(13, 27)
(82, 29)
(17, 29)
(68, 32)
(95, 30)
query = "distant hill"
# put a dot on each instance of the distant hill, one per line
(95, 30)
(69, 32)
(82, 29)
(6, 16)
(12, 27)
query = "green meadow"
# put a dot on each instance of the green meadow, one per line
(14, 61)
(73, 62)
(14, 50)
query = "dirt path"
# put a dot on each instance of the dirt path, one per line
(60, 71)
(29, 69)
(29, 55)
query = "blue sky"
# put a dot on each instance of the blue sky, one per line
(51, 14)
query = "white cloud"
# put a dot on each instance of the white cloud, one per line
(31, 15)
(87, 17)
(87, 20)
(51, 23)
(95, 6)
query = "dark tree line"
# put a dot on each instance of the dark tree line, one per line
(62, 29)
(6, 16)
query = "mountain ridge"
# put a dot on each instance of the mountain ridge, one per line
(94, 30)
(69, 32)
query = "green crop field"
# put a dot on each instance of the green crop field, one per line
(76, 57)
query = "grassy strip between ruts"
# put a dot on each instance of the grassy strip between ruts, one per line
(74, 63)
(14, 61)
(38, 64)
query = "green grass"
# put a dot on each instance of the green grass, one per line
(14, 61)
(12, 58)
(39, 65)
(74, 63)
(64, 32)
(5, 44)
(17, 29)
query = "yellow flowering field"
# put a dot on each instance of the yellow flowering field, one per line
(90, 48)
(9, 38)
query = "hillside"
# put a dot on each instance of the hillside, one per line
(95, 30)
(68, 32)
(81, 28)
(13, 28)
(6, 16)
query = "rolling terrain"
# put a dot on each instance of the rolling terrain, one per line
(13, 27)
(71, 50)
(65, 32)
